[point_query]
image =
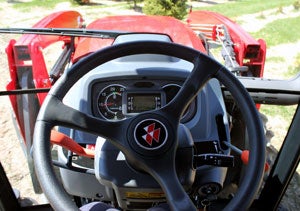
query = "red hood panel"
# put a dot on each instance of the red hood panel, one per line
(177, 31)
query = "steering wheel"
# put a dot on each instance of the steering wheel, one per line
(158, 161)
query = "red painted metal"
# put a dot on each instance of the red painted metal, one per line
(12, 84)
(36, 43)
(26, 53)
(68, 143)
(175, 29)
(249, 52)
(64, 19)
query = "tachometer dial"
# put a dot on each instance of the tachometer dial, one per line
(110, 102)
(171, 91)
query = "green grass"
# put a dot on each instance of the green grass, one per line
(275, 59)
(295, 68)
(27, 6)
(292, 72)
(277, 32)
(242, 7)
(285, 113)
(119, 5)
(50, 4)
(280, 31)
(275, 110)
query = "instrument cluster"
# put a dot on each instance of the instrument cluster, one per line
(117, 100)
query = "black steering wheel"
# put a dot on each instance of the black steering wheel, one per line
(160, 160)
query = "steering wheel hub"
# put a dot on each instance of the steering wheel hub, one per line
(150, 134)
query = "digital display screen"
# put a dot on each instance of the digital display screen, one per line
(139, 102)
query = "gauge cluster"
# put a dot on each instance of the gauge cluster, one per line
(116, 100)
(137, 102)
(109, 102)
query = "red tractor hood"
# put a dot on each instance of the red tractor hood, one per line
(177, 31)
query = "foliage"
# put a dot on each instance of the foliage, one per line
(81, 2)
(280, 10)
(135, 3)
(77, 2)
(297, 5)
(175, 8)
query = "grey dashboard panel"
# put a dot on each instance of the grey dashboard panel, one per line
(134, 73)
(208, 103)
(158, 69)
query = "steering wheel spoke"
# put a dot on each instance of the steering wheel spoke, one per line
(193, 84)
(59, 114)
(163, 170)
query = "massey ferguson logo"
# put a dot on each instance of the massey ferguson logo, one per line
(150, 134)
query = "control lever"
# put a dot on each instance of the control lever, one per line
(213, 159)
(244, 154)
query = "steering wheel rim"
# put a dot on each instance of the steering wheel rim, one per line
(204, 69)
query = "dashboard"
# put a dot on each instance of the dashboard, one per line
(118, 99)
(127, 86)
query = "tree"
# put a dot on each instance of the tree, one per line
(175, 8)
(81, 2)
(135, 3)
